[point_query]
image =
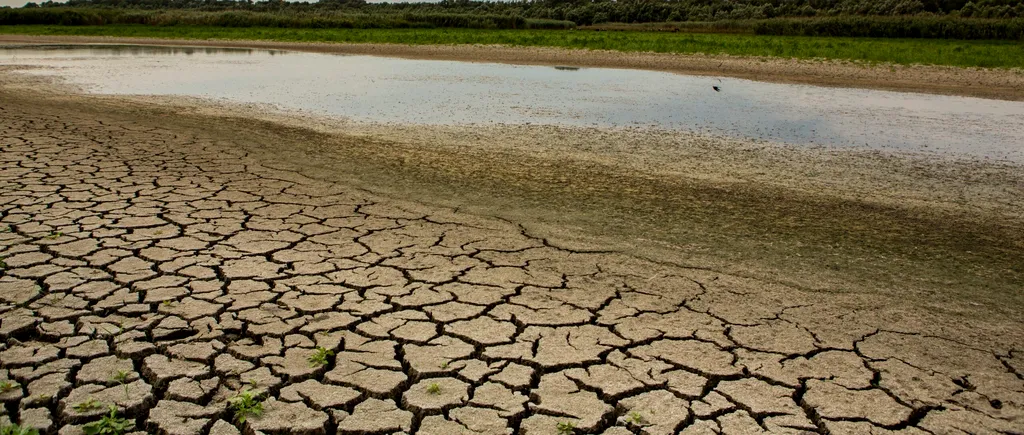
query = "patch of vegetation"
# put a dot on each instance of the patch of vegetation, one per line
(565, 428)
(88, 405)
(7, 386)
(321, 356)
(245, 405)
(13, 429)
(110, 424)
(3, 264)
(434, 388)
(635, 418)
(989, 54)
(55, 235)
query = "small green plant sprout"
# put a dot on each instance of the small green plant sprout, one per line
(88, 405)
(565, 428)
(3, 264)
(168, 302)
(635, 418)
(121, 377)
(254, 384)
(246, 404)
(444, 365)
(55, 235)
(434, 388)
(13, 429)
(108, 425)
(320, 357)
(6, 386)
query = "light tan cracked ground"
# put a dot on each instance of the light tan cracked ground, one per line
(175, 257)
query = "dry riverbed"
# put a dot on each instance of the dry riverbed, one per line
(493, 280)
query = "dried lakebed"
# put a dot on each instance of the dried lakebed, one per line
(165, 270)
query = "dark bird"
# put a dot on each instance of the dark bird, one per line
(716, 88)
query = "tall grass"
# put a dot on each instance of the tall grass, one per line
(941, 27)
(996, 54)
(929, 26)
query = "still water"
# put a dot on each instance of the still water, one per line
(381, 89)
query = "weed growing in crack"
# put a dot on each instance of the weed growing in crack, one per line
(3, 264)
(6, 386)
(320, 357)
(444, 365)
(635, 418)
(246, 404)
(121, 377)
(55, 235)
(565, 428)
(88, 405)
(254, 384)
(108, 425)
(434, 388)
(168, 303)
(13, 429)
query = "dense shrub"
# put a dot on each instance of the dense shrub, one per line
(537, 23)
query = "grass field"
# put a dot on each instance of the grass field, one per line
(991, 54)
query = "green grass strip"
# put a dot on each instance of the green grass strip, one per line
(962, 53)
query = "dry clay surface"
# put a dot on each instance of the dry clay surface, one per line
(164, 273)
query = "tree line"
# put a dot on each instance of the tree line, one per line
(951, 19)
(585, 12)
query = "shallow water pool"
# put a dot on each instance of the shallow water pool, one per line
(380, 89)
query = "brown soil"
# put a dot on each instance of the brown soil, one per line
(986, 83)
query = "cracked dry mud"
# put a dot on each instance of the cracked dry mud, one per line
(163, 273)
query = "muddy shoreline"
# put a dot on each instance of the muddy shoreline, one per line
(973, 82)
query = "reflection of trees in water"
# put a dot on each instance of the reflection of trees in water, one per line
(151, 50)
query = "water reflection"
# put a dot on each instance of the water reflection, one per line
(379, 89)
(134, 50)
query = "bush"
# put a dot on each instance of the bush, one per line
(536, 23)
